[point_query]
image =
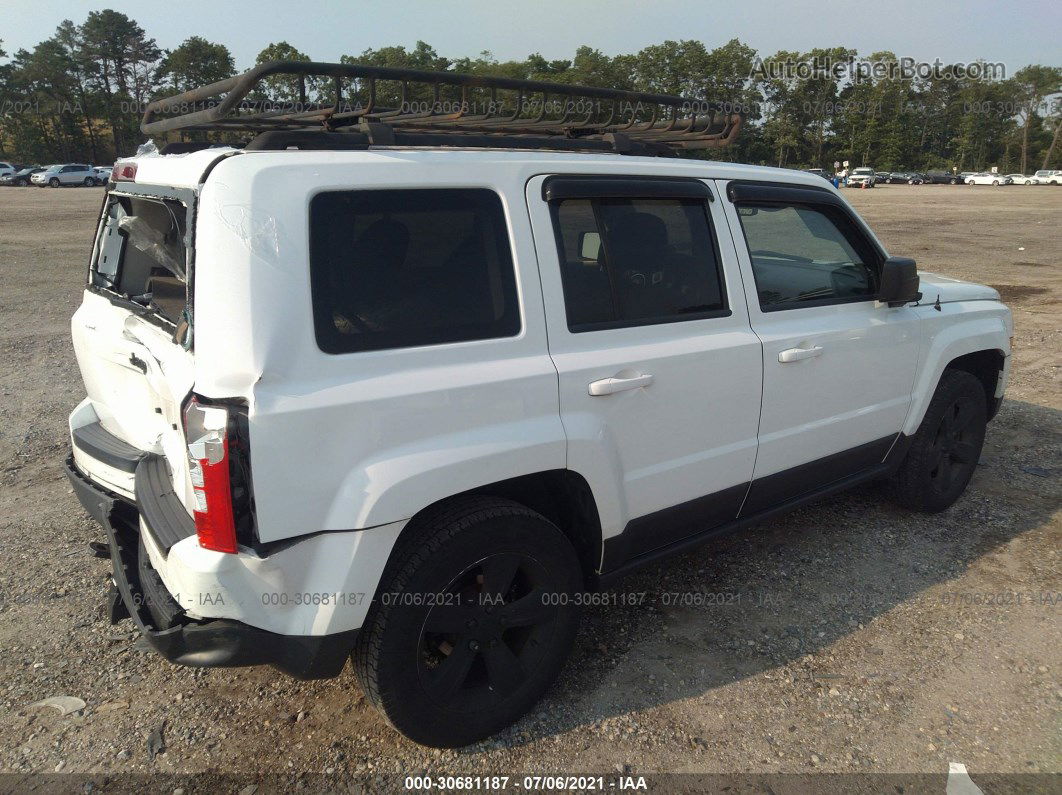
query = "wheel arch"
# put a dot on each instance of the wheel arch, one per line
(979, 346)
(562, 496)
(986, 366)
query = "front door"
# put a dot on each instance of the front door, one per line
(838, 366)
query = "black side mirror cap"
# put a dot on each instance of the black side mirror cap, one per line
(899, 282)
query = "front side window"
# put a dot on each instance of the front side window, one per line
(629, 261)
(805, 255)
(404, 268)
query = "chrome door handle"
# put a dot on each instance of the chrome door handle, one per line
(798, 354)
(610, 386)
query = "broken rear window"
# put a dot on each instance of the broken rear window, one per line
(141, 253)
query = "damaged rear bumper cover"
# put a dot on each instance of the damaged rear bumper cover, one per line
(203, 644)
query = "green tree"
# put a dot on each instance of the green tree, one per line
(120, 60)
(281, 89)
(195, 62)
(1032, 84)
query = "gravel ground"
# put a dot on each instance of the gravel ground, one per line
(847, 637)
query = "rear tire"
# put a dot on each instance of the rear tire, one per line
(471, 623)
(946, 447)
(90, 182)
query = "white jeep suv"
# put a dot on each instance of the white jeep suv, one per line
(862, 178)
(360, 394)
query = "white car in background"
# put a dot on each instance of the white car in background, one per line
(68, 174)
(987, 179)
(862, 177)
(7, 169)
(103, 174)
(1048, 177)
(1021, 179)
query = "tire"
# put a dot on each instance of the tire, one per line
(54, 182)
(447, 656)
(953, 182)
(946, 447)
(995, 183)
(21, 183)
(90, 182)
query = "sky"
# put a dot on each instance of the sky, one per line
(1014, 33)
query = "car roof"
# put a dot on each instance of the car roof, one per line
(187, 170)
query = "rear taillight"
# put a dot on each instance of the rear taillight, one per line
(123, 172)
(206, 429)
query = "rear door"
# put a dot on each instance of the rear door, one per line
(659, 370)
(838, 366)
(136, 371)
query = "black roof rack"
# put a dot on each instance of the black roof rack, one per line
(381, 106)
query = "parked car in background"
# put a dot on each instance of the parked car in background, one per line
(862, 177)
(103, 174)
(987, 179)
(821, 172)
(905, 177)
(1021, 179)
(882, 176)
(21, 178)
(1048, 177)
(6, 169)
(941, 178)
(69, 174)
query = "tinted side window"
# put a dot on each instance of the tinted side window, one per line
(633, 261)
(401, 268)
(803, 254)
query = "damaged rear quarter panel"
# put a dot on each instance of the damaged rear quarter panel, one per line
(362, 439)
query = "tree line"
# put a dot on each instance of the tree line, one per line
(79, 96)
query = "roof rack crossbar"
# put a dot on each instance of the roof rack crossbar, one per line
(328, 100)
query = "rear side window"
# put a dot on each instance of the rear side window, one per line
(804, 255)
(631, 261)
(404, 268)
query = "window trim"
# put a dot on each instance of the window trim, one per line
(505, 236)
(612, 187)
(559, 187)
(820, 199)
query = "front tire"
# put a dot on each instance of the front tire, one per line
(946, 447)
(54, 182)
(472, 622)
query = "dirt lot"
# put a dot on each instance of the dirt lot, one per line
(848, 637)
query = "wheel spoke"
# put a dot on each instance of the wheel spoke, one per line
(450, 618)
(963, 415)
(452, 672)
(964, 452)
(504, 669)
(498, 574)
(527, 610)
(944, 473)
(946, 424)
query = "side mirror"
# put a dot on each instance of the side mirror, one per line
(590, 246)
(899, 282)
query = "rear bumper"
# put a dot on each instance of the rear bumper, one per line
(206, 643)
